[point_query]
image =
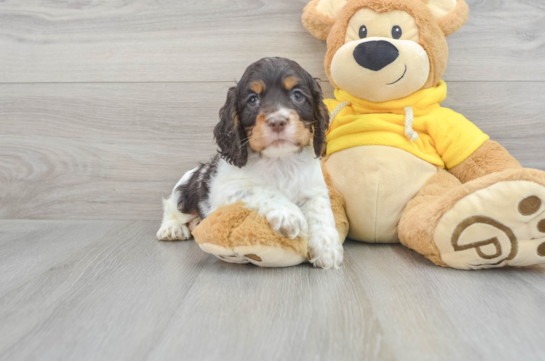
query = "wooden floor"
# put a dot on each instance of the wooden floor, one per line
(103, 106)
(104, 290)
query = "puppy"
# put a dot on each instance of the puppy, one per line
(270, 137)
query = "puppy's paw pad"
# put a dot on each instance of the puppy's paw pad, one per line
(173, 231)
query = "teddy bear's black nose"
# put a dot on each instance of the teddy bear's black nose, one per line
(375, 55)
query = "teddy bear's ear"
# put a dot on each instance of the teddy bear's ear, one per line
(319, 16)
(450, 14)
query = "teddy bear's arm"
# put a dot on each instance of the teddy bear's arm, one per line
(489, 158)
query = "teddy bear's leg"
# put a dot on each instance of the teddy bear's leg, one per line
(236, 234)
(259, 255)
(415, 228)
(493, 221)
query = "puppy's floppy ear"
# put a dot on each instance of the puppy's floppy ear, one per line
(229, 133)
(320, 15)
(451, 15)
(321, 118)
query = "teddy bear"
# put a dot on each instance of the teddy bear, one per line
(410, 170)
(399, 167)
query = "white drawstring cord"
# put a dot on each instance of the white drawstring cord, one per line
(337, 110)
(409, 131)
(409, 119)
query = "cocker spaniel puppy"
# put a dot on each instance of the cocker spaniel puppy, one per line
(270, 136)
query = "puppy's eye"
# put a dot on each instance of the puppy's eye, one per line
(363, 32)
(253, 100)
(298, 95)
(396, 32)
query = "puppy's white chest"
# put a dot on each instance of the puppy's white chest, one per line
(295, 176)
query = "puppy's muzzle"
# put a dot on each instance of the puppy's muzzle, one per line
(375, 55)
(277, 122)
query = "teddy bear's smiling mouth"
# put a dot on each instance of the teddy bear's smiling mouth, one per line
(405, 72)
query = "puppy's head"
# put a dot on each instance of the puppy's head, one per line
(276, 109)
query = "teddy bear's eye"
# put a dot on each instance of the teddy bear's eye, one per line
(363, 32)
(396, 32)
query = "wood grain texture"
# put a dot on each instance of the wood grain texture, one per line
(171, 40)
(106, 290)
(105, 104)
(111, 151)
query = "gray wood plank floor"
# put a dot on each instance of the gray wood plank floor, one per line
(105, 290)
(105, 104)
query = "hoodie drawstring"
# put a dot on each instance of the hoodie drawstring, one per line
(337, 110)
(409, 119)
(409, 131)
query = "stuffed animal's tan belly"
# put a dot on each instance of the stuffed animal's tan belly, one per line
(377, 182)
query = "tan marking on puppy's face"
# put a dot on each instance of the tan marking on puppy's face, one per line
(360, 68)
(290, 82)
(256, 135)
(258, 86)
(302, 133)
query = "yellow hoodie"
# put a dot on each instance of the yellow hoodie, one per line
(445, 138)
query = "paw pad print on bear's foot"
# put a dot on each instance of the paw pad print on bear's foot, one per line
(498, 226)
(529, 207)
(235, 258)
(254, 257)
(259, 255)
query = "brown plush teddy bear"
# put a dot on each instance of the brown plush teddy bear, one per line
(409, 169)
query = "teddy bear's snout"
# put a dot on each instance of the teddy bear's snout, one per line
(375, 55)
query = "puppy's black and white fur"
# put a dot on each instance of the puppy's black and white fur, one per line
(270, 136)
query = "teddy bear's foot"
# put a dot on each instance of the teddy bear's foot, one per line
(501, 225)
(259, 255)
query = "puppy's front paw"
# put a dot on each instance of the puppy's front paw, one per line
(173, 231)
(288, 221)
(326, 250)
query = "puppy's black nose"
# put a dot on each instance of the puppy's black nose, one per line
(277, 123)
(375, 55)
